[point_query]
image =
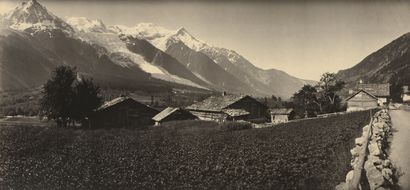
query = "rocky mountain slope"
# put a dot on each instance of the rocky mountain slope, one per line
(198, 56)
(380, 66)
(47, 41)
(118, 56)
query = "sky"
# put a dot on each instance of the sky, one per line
(302, 38)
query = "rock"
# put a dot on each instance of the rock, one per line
(375, 177)
(387, 174)
(342, 186)
(386, 163)
(355, 151)
(372, 161)
(380, 125)
(374, 149)
(354, 162)
(359, 141)
(349, 176)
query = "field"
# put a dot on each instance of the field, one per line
(311, 154)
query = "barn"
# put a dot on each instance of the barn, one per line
(122, 112)
(230, 107)
(361, 100)
(281, 115)
(380, 91)
(173, 114)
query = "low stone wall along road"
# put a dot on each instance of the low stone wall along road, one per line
(400, 146)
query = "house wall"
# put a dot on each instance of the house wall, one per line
(361, 101)
(279, 118)
(179, 115)
(382, 101)
(206, 115)
(124, 114)
(406, 97)
(256, 109)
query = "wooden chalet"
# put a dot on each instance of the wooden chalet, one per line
(122, 112)
(281, 115)
(380, 91)
(173, 114)
(406, 94)
(229, 107)
(361, 100)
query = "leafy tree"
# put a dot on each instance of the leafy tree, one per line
(328, 89)
(322, 98)
(58, 95)
(86, 98)
(65, 99)
(305, 102)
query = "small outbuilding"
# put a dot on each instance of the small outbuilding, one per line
(230, 107)
(122, 112)
(361, 100)
(281, 115)
(173, 114)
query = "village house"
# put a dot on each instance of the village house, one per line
(380, 91)
(406, 94)
(231, 108)
(281, 115)
(122, 112)
(361, 100)
(173, 114)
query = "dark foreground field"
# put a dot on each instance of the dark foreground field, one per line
(312, 154)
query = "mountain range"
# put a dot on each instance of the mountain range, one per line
(33, 41)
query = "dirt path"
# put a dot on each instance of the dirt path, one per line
(400, 146)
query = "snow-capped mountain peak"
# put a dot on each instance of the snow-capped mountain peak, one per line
(32, 14)
(83, 24)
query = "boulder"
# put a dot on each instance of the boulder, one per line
(359, 141)
(342, 186)
(355, 151)
(374, 149)
(386, 163)
(349, 176)
(354, 162)
(374, 177)
(387, 174)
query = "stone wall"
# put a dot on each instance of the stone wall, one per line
(378, 171)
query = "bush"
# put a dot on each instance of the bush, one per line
(233, 125)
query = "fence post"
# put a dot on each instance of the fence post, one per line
(357, 173)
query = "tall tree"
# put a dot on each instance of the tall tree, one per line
(58, 95)
(327, 93)
(86, 98)
(67, 98)
(305, 102)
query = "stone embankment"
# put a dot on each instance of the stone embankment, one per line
(372, 168)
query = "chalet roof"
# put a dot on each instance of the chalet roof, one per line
(236, 112)
(118, 100)
(165, 113)
(281, 111)
(216, 103)
(375, 89)
(113, 102)
(353, 95)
